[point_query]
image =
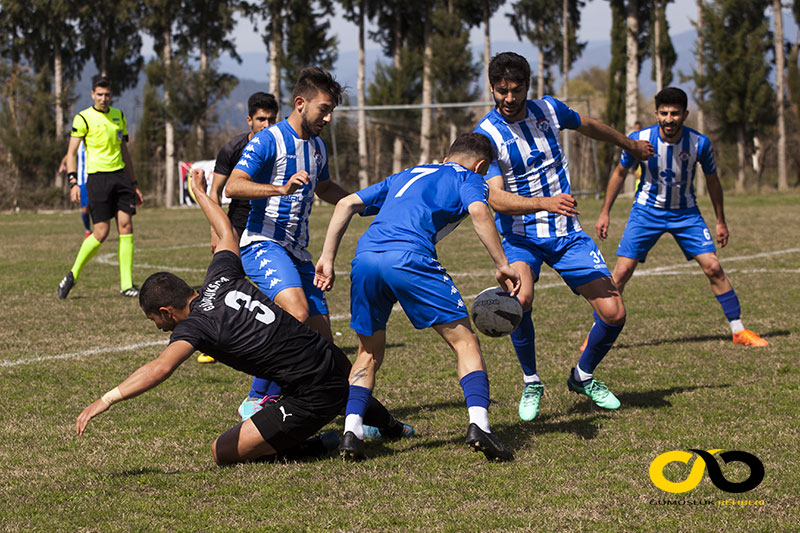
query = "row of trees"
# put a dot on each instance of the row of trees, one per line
(46, 44)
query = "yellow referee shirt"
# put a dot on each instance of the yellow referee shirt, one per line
(103, 134)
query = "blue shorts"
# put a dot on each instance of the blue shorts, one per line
(646, 225)
(273, 269)
(418, 282)
(576, 257)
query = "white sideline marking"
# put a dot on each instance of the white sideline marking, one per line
(673, 270)
(93, 351)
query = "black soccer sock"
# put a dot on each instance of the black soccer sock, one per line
(377, 415)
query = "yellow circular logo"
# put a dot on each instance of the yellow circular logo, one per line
(695, 475)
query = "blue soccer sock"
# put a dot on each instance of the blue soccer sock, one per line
(733, 311)
(476, 393)
(601, 339)
(86, 223)
(523, 338)
(357, 402)
(259, 387)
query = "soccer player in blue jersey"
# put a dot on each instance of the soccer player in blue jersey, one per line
(529, 187)
(665, 203)
(280, 170)
(396, 261)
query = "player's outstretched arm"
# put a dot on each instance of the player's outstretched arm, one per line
(143, 379)
(345, 209)
(242, 187)
(508, 203)
(218, 182)
(612, 191)
(715, 192)
(220, 224)
(641, 150)
(507, 277)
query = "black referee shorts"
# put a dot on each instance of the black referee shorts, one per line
(108, 193)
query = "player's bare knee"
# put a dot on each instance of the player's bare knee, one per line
(714, 271)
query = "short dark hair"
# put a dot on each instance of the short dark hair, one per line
(314, 79)
(474, 144)
(164, 289)
(101, 81)
(261, 100)
(509, 66)
(672, 96)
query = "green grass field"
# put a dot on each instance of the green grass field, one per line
(146, 463)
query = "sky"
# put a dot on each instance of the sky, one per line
(595, 26)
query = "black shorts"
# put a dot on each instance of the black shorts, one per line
(108, 193)
(299, 415)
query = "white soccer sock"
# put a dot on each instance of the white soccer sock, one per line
(736, 326)
(354, 423)
(480, 417)
(580, 375)
(531, 379)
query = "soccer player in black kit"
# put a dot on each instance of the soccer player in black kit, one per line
(231, 320)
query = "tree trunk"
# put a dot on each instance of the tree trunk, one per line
(103, 52)
(487, 53)
(275, 49)
(397, 145)
(427, 93)
(741, 156)
(659, 14)
(540, 75)
(777, 15)
(363, 175)
(169, 127)
(700, 179)
(631, 75)
(565, 50)
(200, 128)
(58, 89)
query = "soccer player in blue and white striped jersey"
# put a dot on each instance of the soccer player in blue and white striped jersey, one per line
(529, 187)
(280, 170)
(665, 203)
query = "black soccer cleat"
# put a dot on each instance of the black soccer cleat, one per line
(487, 443)
(66, 285)
(131, 292)
(352, 448)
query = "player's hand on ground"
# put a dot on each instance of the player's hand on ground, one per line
(602, 226)
(562, 204)
(722, 234)
(324, 275)
(91, 411)
(508, 278)
(642, 150)
(295, 182)
(74, 194)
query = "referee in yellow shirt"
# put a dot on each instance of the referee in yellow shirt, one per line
(111, 184)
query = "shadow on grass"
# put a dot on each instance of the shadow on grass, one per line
(698, 338)
(142, 472)
(658, 398)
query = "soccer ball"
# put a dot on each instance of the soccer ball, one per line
(495, 312)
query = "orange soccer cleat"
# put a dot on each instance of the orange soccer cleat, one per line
(749, 338)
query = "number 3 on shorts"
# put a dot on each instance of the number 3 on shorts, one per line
(597, 257)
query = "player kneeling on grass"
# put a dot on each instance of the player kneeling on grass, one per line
(232, 321)
(396, 261)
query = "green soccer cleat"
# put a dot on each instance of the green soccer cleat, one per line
(529, 403)
(596, 390)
